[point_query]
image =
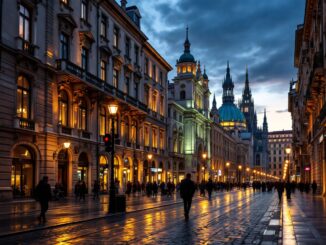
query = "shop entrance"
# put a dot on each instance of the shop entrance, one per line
(62, 178)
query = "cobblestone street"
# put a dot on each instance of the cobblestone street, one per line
(239, 217)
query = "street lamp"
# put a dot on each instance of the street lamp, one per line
(288, 152)
(227, 169)
(247, 172)
(240, 168)
(204, 164)
(66, 145)
(113, 108)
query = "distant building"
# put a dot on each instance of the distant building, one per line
(307, 94)
(278, 141)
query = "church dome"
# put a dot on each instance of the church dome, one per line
(186, 57)
(230, 116)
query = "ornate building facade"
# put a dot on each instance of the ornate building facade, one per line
(307, 97)
(189, 133)
(55, 88)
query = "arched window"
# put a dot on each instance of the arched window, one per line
(23, 107)
(102, 121)
(133, 131)
(63, 108)
(24, 23)
(82, 115)
(182, 95)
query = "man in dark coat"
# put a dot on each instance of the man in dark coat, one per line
(187, 190)
(43, 195)
(209, 188)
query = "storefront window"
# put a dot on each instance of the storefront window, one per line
(104, 174)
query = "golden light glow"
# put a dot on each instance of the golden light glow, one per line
(113, 109)
(149, 156)
(227, 164)
(66, 145)
(239, 167)
(247, 169)
(288, 150)
(204, 155)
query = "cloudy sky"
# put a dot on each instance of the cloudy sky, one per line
(257, 33)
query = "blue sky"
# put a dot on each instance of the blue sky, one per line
(256, 33)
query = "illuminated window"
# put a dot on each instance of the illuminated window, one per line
(179, 69)
(133, 131)
(103, 70)
(23, 97)
(161, 140)
(83, 10)
(184, 69)
(102, 121)
(146, 136)
(64, 46)
(66, 2)
(162, 105)
(24, 23)
(82, 115)
(154, 101)
(63, 108)
(154, 136)
(115, 78)
(245, 109)
(189, 68)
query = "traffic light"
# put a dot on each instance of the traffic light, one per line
(108, 142)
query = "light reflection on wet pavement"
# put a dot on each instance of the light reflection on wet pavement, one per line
(227, 218)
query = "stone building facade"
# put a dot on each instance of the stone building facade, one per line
(61, 63)
(307, 96)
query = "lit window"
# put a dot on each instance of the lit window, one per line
(115, 78)
(66, 2)
(24, 23)
(161, 140)
(154, 102)
(103, 70)
(82, 115)
(162, 105)
(102, 121)
(133, 131)
(146, 136)
(23, 97)
(63, 108)
(154, 134)
(184, 69)
(189, 68)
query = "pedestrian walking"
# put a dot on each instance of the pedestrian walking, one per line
(202, 188)
(209, 188)
(43, 195)
(187, 190)
(82, 190)
(96, 190)
(280, 189)
(314, 187)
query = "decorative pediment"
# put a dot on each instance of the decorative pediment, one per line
(67, 23)
(86, 39)
(105, 53)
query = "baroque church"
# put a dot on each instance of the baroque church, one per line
(241, 120)
(188, 108)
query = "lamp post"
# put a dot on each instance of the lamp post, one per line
(254, 174)
(288, 152)
(113, 108)
(204, 164)
(247, 174)
(227, 171)
(239, 168)
(149, 157)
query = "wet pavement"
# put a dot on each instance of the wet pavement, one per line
(238, 217)
(304, 220)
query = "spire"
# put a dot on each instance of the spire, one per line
(265, 125)
(214, 110)
(246, 96)
(205, 75)
(214, 101)
(247, 79)
(187, 43)
(228, 86)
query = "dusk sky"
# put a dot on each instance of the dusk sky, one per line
(256, 33)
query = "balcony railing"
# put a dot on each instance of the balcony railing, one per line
(66, 130)
(26, 124)
(86, 135)
(76, 70)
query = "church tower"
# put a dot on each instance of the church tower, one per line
(247, 105)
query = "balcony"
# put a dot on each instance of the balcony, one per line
(25, 46)
(26, 124)
(120, 94)
(66, 130)
(131, 100)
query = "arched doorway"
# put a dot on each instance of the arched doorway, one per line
(104, 174)
(23, 171)
(126, 172)
(82, 170)
(63, 170)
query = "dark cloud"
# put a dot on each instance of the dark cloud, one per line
(259, 34)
